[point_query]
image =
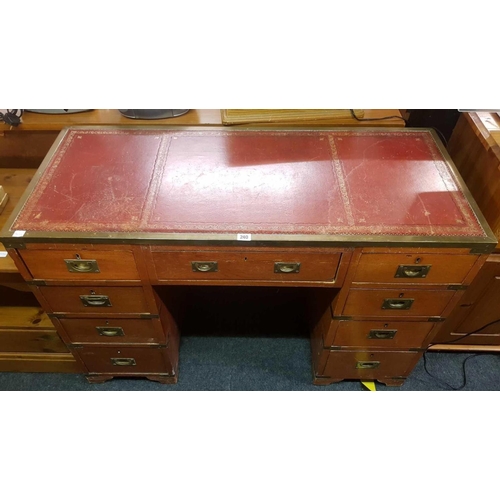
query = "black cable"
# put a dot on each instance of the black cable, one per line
(353, 114)
(464, 383)
(463, 364)
(441, 136)
(11, 117)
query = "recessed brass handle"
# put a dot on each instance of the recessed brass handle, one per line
(412, 271)
(287, 267)
(367, 365)
(123, 361)
(382, 334)
(204, 267)
(82, 265)
(110, 331)
(399, 304)
(95, 300)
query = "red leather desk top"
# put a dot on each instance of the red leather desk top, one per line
(295, 182)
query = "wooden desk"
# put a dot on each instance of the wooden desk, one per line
(372, 224)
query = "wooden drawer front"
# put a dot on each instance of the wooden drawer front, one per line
(124, 359)
(380, 334)
(370, 364)
(70, 299)
(264, 266)
(116, 331)
(362, 302)
(414, 268)
(94, 264)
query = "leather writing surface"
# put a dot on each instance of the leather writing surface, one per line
(236, 181)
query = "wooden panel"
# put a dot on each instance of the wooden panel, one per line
(50, 264)
(343, 364)
(31, 341)
(479, 164)
(24, 151)
(408, 334)
(246, 265)
(33, 362)
(28, 329)
(444, 268)
(66, 299)
(88, 331)
(486, 310)
(363, 302)
(477, 308)
(145, 359)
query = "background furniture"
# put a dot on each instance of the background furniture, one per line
(475, 149)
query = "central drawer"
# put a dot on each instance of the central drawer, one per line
(95, 299)
(246, 265)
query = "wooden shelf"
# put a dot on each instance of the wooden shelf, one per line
(208, 117)
(463, 348)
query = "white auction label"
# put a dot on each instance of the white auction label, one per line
(18, 234)
(244, 237)
(3, 254)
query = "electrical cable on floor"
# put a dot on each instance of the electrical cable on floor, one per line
(465, 360)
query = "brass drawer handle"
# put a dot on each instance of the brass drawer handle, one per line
(367, 365)
(204, 267)
(82, 266)
(412, 271)
(95, 300)
(110, 331)
(123, 361)
(382, 334)
(287, 267)
(399, 304)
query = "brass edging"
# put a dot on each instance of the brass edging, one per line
(476, 244)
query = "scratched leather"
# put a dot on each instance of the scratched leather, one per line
(232, 181)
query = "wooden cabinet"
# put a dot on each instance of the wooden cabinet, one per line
(475, 149)
(116, 213)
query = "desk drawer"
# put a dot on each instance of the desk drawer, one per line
(125, 360)
(370, 365)
(88, 265)
(417, 268)
(379, 334)
(246, 265)
(95, 299)
(397, 302)
(114, 331)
